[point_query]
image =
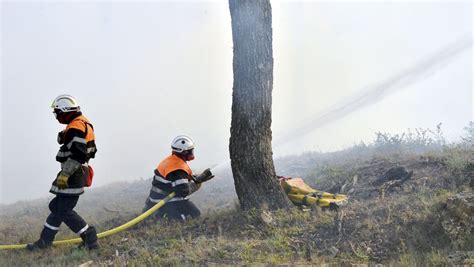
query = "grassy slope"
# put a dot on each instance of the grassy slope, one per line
(405, 227)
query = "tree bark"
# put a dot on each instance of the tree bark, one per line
(250, 142)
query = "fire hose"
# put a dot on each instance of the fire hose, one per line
(110, 232)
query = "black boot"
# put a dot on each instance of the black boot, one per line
(89, 238)
(45, 241)
(40, 244)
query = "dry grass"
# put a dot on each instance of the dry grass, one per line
(404, 228)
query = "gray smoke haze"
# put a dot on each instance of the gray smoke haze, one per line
(374, 93)
(145, 72)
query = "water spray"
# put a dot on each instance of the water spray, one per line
(378, 91)
(373, 93)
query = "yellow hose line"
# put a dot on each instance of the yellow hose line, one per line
(106, 233)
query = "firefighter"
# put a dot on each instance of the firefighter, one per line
(77, 142)
(174, 175)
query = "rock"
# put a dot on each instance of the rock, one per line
(333, 251)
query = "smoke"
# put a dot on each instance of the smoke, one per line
(376, 92)
(373, 93)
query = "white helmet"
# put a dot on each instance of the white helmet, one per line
(65, 103)
(182, 143)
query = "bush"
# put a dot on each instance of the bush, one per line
(468, 139)
(418, 140)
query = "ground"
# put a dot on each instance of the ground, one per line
(426, 220)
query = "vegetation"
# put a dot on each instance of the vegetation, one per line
(425, 221)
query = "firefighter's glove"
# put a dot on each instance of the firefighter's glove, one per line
(61, 181)
(206, 175)
(61, 137)
(193, 187)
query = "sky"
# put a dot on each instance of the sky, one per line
(145, 72)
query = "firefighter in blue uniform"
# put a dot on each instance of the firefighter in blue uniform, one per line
(77, 142)
(174, 175)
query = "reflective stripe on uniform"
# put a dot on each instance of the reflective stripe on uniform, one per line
(155, 200)
(76, 139)
(159, 191)
(180, 181)
(63, 154)
(67, 190)
(47, 225)
(161, 180)
(83, 229)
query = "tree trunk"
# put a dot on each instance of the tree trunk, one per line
(250, 142)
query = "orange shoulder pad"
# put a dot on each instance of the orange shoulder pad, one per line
(171, 164)
(78, 123)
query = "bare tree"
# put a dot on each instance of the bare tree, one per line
(250, 142)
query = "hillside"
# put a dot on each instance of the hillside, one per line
(426, 220)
